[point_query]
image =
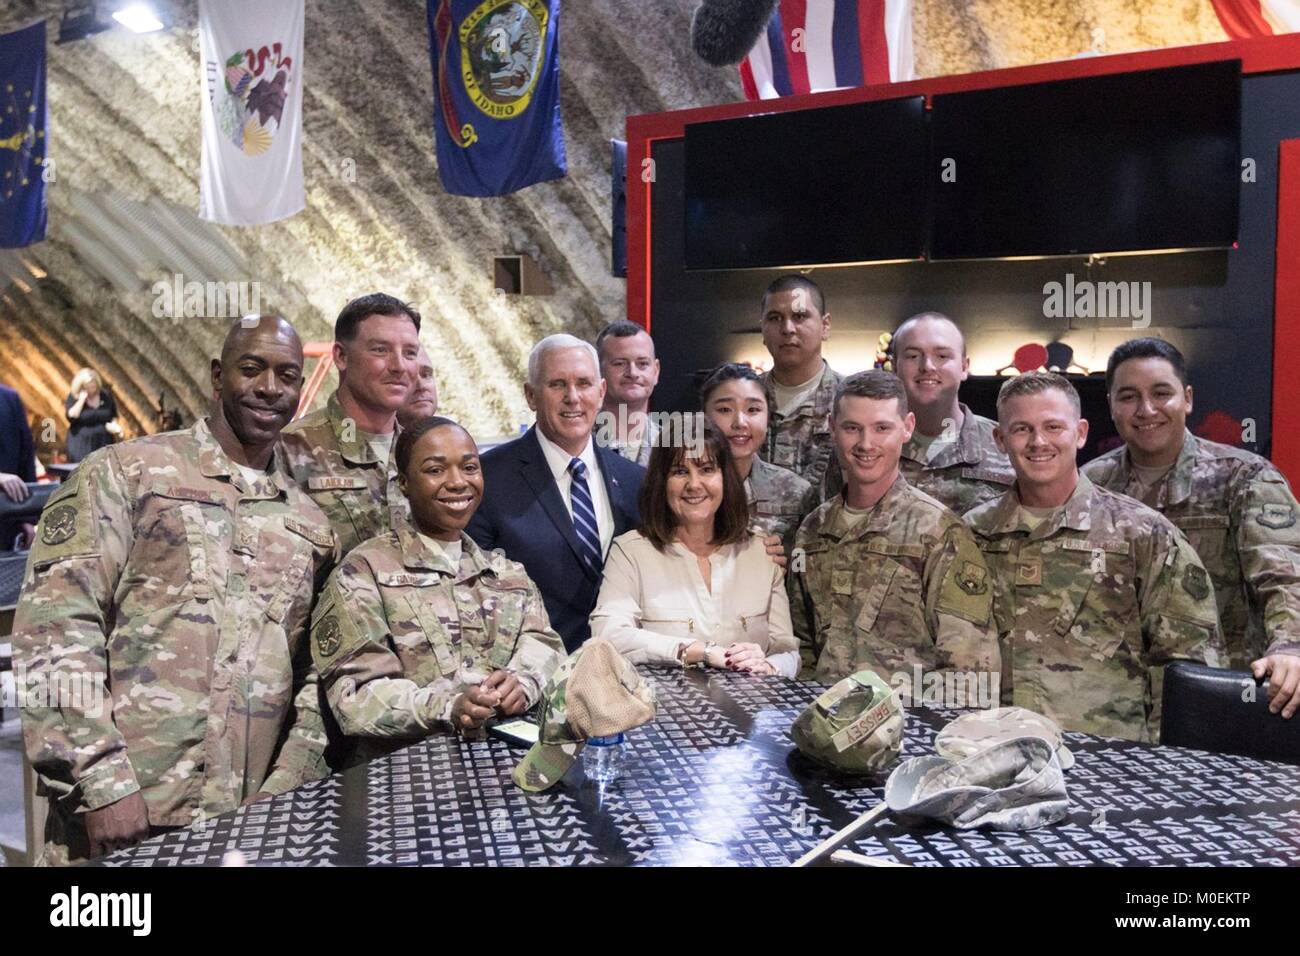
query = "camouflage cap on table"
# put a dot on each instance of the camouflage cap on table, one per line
(855, 727)
(595, 692)
(1013, 785)
(971, 733)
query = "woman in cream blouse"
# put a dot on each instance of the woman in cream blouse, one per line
(692, 586)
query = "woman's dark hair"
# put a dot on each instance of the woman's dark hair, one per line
(409, 436)
(737, 370)
(658, 523)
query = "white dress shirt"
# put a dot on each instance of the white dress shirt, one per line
(652, 603)
(559, 460)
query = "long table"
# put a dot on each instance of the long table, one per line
(716, 780)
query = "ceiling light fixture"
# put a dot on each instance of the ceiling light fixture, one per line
(139, 18)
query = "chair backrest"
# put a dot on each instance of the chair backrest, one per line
(29, 510)
(1224, 711)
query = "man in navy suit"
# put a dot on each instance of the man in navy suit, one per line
(17, 464)
(553, 499)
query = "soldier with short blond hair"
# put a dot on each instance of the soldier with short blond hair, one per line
(884, 576)
(1095, 592)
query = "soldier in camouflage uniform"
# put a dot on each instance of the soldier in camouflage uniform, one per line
(423, 400)
(631, 371)
(795, 323)
(419, 631)
(951, 455)
(162, 629)
(738, 403)
(883, 576)
(341, 455)
(1235, 508)
(1096, 593)
(779, 500)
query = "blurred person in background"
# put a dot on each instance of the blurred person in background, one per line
(17, 465)
(91, 415)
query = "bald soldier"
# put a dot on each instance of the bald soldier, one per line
(162, 629)
(1236, 509)
(342, 455)
(884, 576)
(951, 455)
(1096, 592)
(423, 399)
(795, 323)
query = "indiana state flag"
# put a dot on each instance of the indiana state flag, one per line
(496, 90)
(22, 137)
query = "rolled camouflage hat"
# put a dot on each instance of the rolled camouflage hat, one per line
(855, 727)
(971, 733)
(595, 692)
(1015, 784)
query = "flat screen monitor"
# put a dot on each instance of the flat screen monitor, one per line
(1135, 161)
(842, 184)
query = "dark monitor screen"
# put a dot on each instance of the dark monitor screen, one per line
(1146, 160)
(807, 187)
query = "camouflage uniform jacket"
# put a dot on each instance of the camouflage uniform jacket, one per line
(161, 577)
(779, 500)
(801, 441)
(399, 632)
(963, 473)
(639, 453)
(905, 587)
(1091, 605)
(336, 467)
(1240, 515)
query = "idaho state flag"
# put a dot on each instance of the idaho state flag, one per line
(496, 91)
(23, 118)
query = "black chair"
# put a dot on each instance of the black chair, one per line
(1208, 708)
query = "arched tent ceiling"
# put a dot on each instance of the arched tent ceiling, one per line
(124, 137)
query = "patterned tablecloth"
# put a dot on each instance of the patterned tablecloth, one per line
(715, 780)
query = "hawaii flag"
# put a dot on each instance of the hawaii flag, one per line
(815, 45)
(252, 110)
(1243, 19)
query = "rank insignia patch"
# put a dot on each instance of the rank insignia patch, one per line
(1196, 582)
(328, 637)
(60, 525)
(1276, 516)
(971, 578)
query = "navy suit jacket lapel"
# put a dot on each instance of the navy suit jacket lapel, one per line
(537, 473)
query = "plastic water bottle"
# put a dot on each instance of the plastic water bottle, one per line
(602, 760)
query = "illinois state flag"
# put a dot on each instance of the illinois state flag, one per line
(23, 119)
(496, 90)
(251, 50)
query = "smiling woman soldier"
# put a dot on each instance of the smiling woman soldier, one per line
(419, 631)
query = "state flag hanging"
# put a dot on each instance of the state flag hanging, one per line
(816, 45)
(251, 169)
(23, 149)
(1244, 19)
(496, 91)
